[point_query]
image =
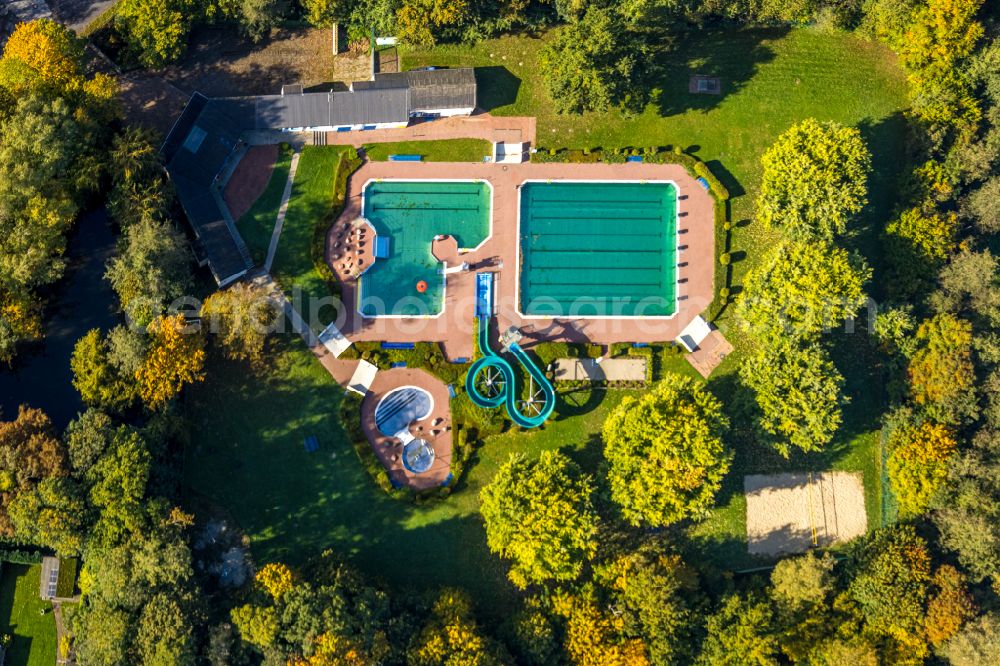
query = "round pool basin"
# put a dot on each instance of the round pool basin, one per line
(418, 456)
(400, 407)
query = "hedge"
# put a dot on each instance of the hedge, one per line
(653, 155)
(21, 556)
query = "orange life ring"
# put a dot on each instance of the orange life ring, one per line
(421, 287)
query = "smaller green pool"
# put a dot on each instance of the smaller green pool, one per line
(410, 214)
(598, 249)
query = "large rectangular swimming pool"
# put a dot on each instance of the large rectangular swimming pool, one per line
(598, 249)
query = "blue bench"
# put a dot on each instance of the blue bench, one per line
(405, 158)
(639, 345)
(311, 444)
(460, 360)
(398, 364)
(703, 182)
(397, 345)
(451, 390)
(634, 158)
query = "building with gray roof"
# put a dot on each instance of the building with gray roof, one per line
(206, 138)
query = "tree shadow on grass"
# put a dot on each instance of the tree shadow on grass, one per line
(732, 56)
(496, 86)
(886, 139)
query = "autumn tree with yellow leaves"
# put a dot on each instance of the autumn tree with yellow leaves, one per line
(175, 359)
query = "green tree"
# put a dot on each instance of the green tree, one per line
(969, 518)
(665, 452)
(891, 575)
(976, 644)
(740, 632)
(657, 597)
(538, 514)
(802, 289)
(155, 31)
(970, 283)
(918, 465)
(451, 636)
(941, 372)
(151, 268)
(86, 439)
(981, 206)
(798, 392)
(423, 21)
(801, 582)
(918, 244)
(52, 514)
(241, 318)
(29, 453)
(594, 63)
(118, 487)
(138, 190)
(166, 635)
(323, 13)
(95, 377)
(257, 625)
(815, 180)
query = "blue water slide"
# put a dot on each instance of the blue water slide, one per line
(504, 393)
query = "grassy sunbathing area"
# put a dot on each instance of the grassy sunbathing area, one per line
(317, 195)
(257, 223)
(33, 634)
(445, 150)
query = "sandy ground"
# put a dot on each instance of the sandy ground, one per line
(783, 510)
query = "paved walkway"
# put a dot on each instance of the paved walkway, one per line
(479, 126)
(454, 328)
(282, 209)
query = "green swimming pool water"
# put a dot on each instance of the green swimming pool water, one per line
(410, 214)
(598, 249)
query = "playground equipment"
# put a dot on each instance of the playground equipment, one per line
(491, 381)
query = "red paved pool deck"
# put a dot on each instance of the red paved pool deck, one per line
(454, 327)
(436, 428)
(250, 179)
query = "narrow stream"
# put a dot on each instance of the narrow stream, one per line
(41, 376)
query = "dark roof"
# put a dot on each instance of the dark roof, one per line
(195, 151)
(441, 88)
(365, 106)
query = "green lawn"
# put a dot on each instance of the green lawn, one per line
(299, 264)
(33, 635)
(257, 223)
(246, 455)
(445, 150)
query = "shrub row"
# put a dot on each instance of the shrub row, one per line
(20, 556)
(653, 155)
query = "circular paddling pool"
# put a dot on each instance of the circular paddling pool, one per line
(400, 407)
(418, 456)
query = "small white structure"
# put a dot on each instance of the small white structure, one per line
(694, 333)
(510, 153)
(361, 380)
(334, 340)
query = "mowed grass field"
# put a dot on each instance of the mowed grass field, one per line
(247, 456)
(299, 262)
(444, 150)
(257, 223)
(33, 634)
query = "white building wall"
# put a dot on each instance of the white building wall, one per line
(442, 112)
